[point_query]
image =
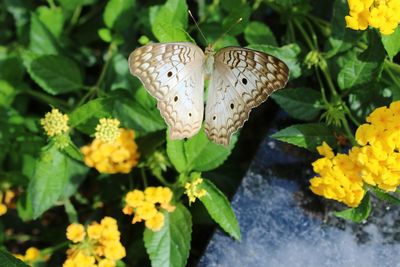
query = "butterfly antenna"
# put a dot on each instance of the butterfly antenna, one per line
(227, 31)
(197, 25)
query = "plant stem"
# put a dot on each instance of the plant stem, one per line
(348, 132)
(321, 86)
(59, 103)
(74, 18)
(304, 34)
(350, 115)
(144, 177)
(94, 90)
(392, 65)
(51, 4)
(53, 249)
(327, 75)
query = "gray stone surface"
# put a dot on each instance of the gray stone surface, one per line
(283, 224)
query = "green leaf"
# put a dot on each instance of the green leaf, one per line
(197, 153)
(382, 195)
(118, 14)
(8, 260)
(87, 116)
(288, 54)
(365, 68)
(118, 76)
(170, 22)
(52, 18)
(308, 135)
(358, 214)
(391, 43)
(74, 152)
(73, 4)
(342, 38)
(42, 41)
(259, 33)
(7, 93)
(170, 246)
(56, 74)
(105, 35)
(48, 181)
(220, 209)
(76, 175)
(395, 92)
(300, 103)
(137, 112)
(11, 69)
(230, 22)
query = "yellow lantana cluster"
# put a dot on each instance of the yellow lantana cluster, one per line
(95, 245)
(113, 157)
(193, 190)
(5, 197)
(381, 14)
(376, 162)
(147, 206)
(55, 123)
(31, 256)
(108, 130)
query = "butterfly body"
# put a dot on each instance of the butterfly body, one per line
(240, 79)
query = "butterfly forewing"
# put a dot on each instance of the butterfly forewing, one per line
(173, 74)
(241, 80)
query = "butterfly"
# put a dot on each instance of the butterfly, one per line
(240, 79)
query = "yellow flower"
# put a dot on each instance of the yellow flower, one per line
(94, 231)
(325, 150)
(108, 130)
(107, 263)
(381, 14)
(32, 254)
(117, 157)
(3, 209)
(193, 191)
(156, 222)
(376, 162)
(146, 206)
(55, 123)
(101, 247)
(76, 232)
(114, 251)
(134, 198)
(146, 211)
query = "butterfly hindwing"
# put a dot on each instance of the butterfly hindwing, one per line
(241, 80)
(173, 74)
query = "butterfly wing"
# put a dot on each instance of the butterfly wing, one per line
(241, 80)
(172, 73)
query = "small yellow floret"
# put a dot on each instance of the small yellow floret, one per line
(193, 191)
(55, 123)
(146, 206)
(108, 130)
(76, 232)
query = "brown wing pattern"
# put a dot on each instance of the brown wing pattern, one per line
(172, 73)
(242, 79)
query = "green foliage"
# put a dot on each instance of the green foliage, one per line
(358, 214)
(73, 55)
(300, 103)
(9, 260)
(219, 209)
(308, 135)
(170, 246)
(56, 74)
(197, 154)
